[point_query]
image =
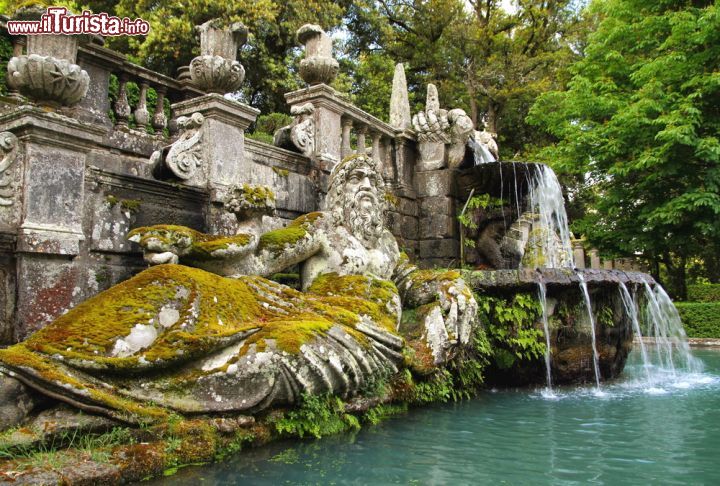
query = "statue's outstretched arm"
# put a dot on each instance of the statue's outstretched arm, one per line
(444, 302)
(241, 254)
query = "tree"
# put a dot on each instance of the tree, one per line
(639, 125)
(491, 62)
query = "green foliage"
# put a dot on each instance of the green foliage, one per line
(270, 123)
(510, 324)
(47, 453)
(700, 319)
(482, 58)
(704, 293)
(6, 52)
(377, 414)
(637, 129)
(317, 416)
(483, 201)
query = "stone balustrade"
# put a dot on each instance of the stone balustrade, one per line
(120, 90)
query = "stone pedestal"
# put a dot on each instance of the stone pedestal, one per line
(329, 108)
(595, 259)
(222, 150)
(49, 226)
(439, 237)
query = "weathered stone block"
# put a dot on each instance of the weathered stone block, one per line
(50, 288)
(445, 248)
(437, 205)
(438, 226)
(408, 206)
(436, 183)
(394, 223)
(409, 227)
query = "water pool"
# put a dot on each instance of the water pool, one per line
(631, 433)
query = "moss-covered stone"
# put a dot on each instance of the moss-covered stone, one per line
(275, 241)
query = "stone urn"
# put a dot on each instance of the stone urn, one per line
(48, 81)
(216, 70)
(318, 66)
(48, 74)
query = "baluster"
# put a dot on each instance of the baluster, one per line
(18, 42)
(160, 120)
(142, 116)
(122, 107)
(361, 148)
(376, 137)
(388, 168)
(345, 147)
(400, 163)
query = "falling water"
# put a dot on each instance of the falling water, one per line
(631, 311)
(663, 323)
(481, 154)
(546, 201)
(596, 361)
(542, 290)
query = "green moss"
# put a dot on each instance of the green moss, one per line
(423, 277)
(195, 245)
(132, 205)
(112, 201)
(392, 199)
(281, 172)
(276, 241)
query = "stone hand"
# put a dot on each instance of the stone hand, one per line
(163, 243)
(432, 126)
(459, 310)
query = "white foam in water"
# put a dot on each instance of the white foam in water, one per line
(546, 201)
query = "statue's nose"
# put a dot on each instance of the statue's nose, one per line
(365, 183)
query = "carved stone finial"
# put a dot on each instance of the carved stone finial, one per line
(432, 101)
(216, 70)
(185, 156)
(9, 148)
(399, 100)
(319, 66)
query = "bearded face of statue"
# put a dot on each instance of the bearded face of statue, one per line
(357, 203)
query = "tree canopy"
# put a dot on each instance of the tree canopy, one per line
(638, 125)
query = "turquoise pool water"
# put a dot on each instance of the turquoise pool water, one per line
(667, 433)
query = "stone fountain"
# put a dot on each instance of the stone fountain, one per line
(388, 298)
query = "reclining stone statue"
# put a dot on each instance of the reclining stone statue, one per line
(188, 339)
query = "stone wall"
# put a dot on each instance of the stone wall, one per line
(79, 175)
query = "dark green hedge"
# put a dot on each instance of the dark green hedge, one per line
(701, 319)
(704, 293)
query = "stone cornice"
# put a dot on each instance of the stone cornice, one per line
(215, 106)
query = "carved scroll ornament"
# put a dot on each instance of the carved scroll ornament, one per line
(9, 148)
(185, 155)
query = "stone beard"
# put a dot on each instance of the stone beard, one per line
(356, 200)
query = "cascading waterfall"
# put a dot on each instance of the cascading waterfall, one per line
(542, 291)
(631, 311)
(596, 360)
(551, 232)
(671, 348)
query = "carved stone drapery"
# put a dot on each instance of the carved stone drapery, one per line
(8, 148)
(47, 80)
(185, 155)
(300, 134)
